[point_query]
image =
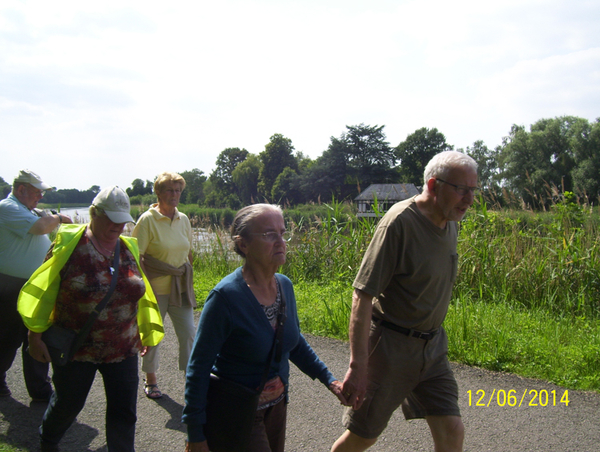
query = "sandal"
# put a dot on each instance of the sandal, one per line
(152, 391)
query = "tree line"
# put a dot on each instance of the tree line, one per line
(536, 165)
(62, 196)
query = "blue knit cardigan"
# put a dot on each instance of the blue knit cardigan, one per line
(233, 341)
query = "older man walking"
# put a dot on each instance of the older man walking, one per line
(24, 243)
(401, 296)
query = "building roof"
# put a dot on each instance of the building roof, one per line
(388, 192)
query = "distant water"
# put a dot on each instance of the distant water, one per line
(78, 214)
(203, 239)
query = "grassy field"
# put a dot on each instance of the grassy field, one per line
(527, 299)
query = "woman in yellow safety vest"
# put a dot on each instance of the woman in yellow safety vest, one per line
(74, 279)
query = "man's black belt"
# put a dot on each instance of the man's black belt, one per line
(407, 331)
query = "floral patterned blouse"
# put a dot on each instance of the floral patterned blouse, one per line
(85, 280)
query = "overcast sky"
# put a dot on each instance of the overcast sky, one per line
(102, 93)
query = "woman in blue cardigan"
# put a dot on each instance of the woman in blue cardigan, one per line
(237, 328)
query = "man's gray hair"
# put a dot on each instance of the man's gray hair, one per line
(441, 164)
(243, 222)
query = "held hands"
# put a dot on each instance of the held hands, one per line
(37, 348)
(354, 387)
(336, 388)
(145, 349)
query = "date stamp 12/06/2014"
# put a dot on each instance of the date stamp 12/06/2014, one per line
(510, 398)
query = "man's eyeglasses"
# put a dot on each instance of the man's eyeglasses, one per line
(37, 191)
(462, 190)
(273, 236)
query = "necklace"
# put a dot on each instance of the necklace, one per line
(97, 244)
(105, 249)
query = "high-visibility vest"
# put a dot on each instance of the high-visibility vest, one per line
(38, 295)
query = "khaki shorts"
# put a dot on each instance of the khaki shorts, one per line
(404, 371)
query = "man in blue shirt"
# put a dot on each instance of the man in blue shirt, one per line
(24, 243)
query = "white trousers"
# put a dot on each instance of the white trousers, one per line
(183, 323)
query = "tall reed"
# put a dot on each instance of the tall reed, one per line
(550, 265)
(526, 298)
(548, 261)
(328, 248)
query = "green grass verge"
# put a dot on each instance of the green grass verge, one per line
(7, 448)
(530, 343)
(495, 336)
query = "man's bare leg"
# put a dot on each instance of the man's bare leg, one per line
(448, 433)
(349, 442)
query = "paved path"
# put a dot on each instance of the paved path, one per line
(315, 416)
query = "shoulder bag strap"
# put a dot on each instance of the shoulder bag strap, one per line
(85, 331)
(276, 347)
(281, 318)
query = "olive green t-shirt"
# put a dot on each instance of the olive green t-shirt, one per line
(410, 268)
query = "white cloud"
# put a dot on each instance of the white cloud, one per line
(554, 86)
(120, 90)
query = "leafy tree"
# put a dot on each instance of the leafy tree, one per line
(278, 155)
(245, 178)
(138, 188)
(487, 162)
(369, 157)
(325, 177)
(194, 186)
(286, 188)
(516, 162)
(415, 152)
(303, 162)
(539, 163)
(211, 197)
(359, 157)
(585, 143)
(72, 196)
(227, 160)
(215, 198)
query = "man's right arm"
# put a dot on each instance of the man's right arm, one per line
(47, 224)
(355, 383)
